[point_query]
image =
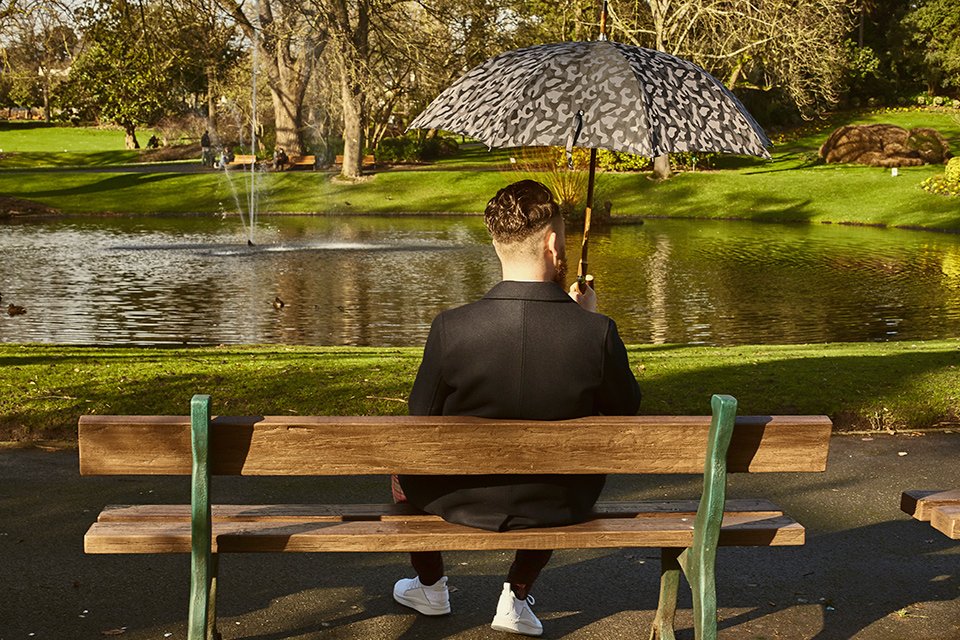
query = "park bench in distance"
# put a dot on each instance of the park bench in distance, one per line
(242, 160)
(301, 161)
(940, 508)
(687, 531)
(368, 161)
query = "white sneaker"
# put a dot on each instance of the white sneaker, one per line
(433, 600)
(514, 615)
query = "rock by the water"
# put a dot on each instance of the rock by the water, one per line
(885, 145)
(10, 206)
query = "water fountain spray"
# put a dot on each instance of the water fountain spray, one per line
(252, 205)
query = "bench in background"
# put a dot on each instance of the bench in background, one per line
(302, 161)
(368, 161)
(242, 160)
(940, 508)
(687, 532)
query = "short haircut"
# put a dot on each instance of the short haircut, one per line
(520, 210)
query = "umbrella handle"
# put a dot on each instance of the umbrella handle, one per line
(583, 282)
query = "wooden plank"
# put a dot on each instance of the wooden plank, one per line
(920, 502)
(946, 518)
(386, 512)
(242, 160)
(368, 160)
(358, 445)
(745, 529)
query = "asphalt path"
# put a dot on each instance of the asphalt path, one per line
(867, 571)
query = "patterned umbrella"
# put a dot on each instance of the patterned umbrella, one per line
(631, 99)
(598, 94)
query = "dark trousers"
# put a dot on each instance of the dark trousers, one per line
(527, 565)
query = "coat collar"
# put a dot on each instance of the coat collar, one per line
(539, 291)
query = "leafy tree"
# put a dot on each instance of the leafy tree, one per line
(121, 75)
(287, 44)
(381, 52)
(205, 46)
(935, 26)
(883, 63)
(39, 46)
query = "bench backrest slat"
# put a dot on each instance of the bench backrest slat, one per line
(283, 445)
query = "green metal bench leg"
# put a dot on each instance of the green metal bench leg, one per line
(202, 564)
(669, 584)
(700, 573)
(212, 633)
(699, 562)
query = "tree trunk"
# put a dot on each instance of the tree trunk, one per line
(46, 102)
(130, 135)
(354, 50)
(352, 129)
(288, 69)
(661, 167)
(211, 102)
(286, 111)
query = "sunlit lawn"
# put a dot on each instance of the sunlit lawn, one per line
(38, 144)
(900, 385)
(791, 187)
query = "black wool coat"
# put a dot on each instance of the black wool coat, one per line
(525, 351)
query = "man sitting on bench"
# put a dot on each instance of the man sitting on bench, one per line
(527, 350)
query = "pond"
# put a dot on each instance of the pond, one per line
(381, 280)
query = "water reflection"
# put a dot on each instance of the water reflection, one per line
(381, 280)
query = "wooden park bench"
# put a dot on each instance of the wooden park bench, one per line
(368, 161)
(687, 531)
(940, 508)
(242, 160)
(302, 161)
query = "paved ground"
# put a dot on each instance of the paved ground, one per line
(866, 572)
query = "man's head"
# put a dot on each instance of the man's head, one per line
(527, 230)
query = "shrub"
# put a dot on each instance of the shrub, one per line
(952, 171)
(401, 149)
(409, 149)
(619, 161)
(947, 184)
(437, 147)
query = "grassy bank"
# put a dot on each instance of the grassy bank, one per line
(792, 187)
(900, 385)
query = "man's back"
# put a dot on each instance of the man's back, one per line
(526, 351)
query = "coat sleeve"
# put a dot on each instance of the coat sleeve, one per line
(619, 392)
(429, 389)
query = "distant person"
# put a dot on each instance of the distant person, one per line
(280, 159)
(153, 143)
(206, 152)
(529, 351)
(225, 158)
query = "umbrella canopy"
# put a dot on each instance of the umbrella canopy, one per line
(597, 94)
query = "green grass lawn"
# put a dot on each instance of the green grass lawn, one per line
(288, 192)
(894, 385)
(792, 187)
(39, 144)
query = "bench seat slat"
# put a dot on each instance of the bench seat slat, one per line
(920, 503)
(416, 534)
(386, 512)
(946, 518)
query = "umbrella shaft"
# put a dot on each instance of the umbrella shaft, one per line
(587, 214)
